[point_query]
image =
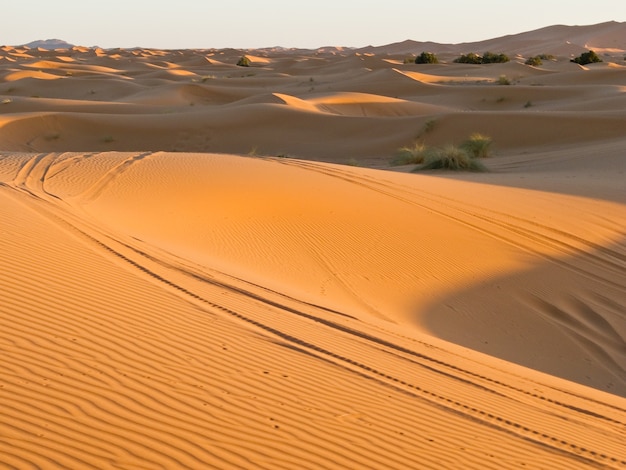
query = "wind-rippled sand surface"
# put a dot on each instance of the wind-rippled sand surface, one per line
(191, 277)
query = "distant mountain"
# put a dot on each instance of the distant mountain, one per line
(49, 44)
(609, 37)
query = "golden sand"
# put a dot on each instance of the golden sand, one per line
(193, 277)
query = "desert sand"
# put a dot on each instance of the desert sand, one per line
(212, 266)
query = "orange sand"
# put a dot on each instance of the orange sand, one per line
(192, 277)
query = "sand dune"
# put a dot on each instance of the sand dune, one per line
(196, 102)
(191, 276)
(152, 319)
(559, 40)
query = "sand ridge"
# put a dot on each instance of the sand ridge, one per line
(192, 277)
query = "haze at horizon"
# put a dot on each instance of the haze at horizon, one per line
(246, 24)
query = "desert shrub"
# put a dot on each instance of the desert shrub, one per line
(450, 158)
(491, 58)
(487, 58)
(410, 155)
(546, 57)
(426, 58)
(477, 145)
(534, 61)
(470, 58)
(587, 58)
(243, 61)
(409, 60)
(503, 80)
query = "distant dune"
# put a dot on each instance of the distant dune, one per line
(556, 40)
(204, 265)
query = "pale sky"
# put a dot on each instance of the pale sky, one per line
(186, 24)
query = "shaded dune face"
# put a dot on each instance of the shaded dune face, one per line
(191, 277)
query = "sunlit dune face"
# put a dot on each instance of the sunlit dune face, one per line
(16, 76)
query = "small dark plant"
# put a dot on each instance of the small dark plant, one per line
(243, 61)
(491, 58)
(534, 61)
(503, 80)
(477, 145)
(450, 158)
(426, 58)
(587, 58)
(409, 155)
(487, 58)
(470, 58)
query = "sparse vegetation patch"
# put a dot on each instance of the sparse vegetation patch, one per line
(538, 59)
(426, 58)
(450, 157)
(534, 61)
(503, 80)
(464, 157)
(477, 145)
(486, 58)
(491, 58)
(471, 58)
(588, 57)
(409, 155)
(244, 61)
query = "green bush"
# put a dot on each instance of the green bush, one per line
(487, 58)
(587, 58)
(244, 62)
(491, 58)
(478, 145)
(534, 61)
(470, 58)
(450, 158)
(413, 155)
(503, 80)
(426, 58)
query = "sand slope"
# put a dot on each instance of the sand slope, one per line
(191, 277)
(180, 313)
